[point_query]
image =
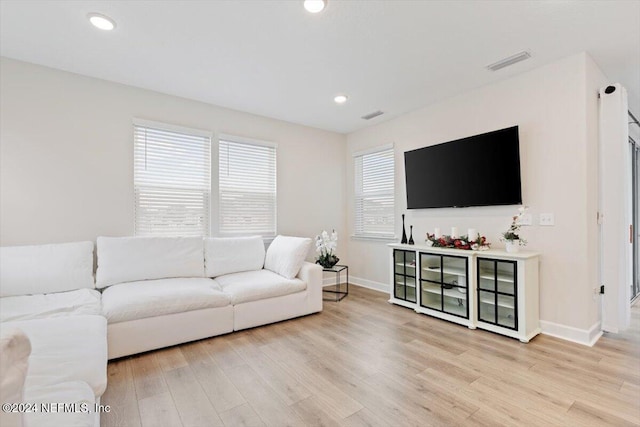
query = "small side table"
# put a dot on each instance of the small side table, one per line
(338, 292)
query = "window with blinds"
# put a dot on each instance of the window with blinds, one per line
(247, 187)
(172, 180)
(375, 193)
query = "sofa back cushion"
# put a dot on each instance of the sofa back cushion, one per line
(129, 259)
(43, 269)
(286, 255)
(224, 255)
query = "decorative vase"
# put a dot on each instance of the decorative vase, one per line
(513, 246)
(411, 242)
(404, 233)
(327, 261)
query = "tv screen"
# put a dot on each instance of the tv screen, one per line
(481, 170)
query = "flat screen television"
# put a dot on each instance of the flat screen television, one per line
(480, 170)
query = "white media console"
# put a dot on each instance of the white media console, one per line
(492, 290)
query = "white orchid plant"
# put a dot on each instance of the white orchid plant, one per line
(513, 233)
(326, 244)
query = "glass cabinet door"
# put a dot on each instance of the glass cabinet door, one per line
(444, 284)
(430, 281)
(404, 263)
(497, 292)
(454, 286)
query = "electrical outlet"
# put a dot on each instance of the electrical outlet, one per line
(526, 219)
(546, 219)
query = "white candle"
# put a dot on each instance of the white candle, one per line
(437, 233)
(472, 234)
(454, 232)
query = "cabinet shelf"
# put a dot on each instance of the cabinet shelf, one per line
(447, 270)
(452, 293)
(457, 307)
(502, 301)
(501, 277)
(405, 265)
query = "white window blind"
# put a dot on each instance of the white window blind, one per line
(247, 187)
(172, 180)
(375, 194)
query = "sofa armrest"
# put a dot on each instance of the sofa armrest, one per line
(311, 274)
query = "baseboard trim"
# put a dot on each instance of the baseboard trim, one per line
(586, 337)
(369, 284)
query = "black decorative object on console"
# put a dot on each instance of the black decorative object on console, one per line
(404, 233)
(411, 242)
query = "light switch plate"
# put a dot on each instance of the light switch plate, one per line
(526, 219)
(547, 219)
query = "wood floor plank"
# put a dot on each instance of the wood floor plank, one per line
(329, 397)
(269, 407)
(147, 376)
(221, 392)
(365, 362)
(241, 416)
(364, 418)
(159, 411)
(588, 414)
(223, 353)
(121, 395)
(171, 358)
(191, 401)
(313, 415)
(282, 382)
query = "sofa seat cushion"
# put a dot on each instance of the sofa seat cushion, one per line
(258, 285)
(150, 298)
(71, 348)
(75, 393)
(27, 307)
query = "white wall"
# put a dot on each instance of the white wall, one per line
(66, 168)
(558, 154)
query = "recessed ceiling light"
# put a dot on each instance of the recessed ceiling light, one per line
(101, 21)
(314, 6)
(340, 99)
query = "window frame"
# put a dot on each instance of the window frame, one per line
(266, 235)
(207, 190)
(363, 235)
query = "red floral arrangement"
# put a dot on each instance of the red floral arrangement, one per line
(479, 244)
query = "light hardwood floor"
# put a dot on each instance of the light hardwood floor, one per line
(364, 362)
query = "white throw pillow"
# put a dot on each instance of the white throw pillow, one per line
(286, 255)
(14, 363)
(43, 269)
(233, 255)
(129, 259)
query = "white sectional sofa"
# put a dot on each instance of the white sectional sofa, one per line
(159, 292)
(152, 293)
(47, 293)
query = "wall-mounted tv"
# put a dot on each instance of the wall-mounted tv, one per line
(481, 170)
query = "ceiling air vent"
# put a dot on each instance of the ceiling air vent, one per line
(372, 115)
(509, 61)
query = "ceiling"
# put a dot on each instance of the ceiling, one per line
(274, 59)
